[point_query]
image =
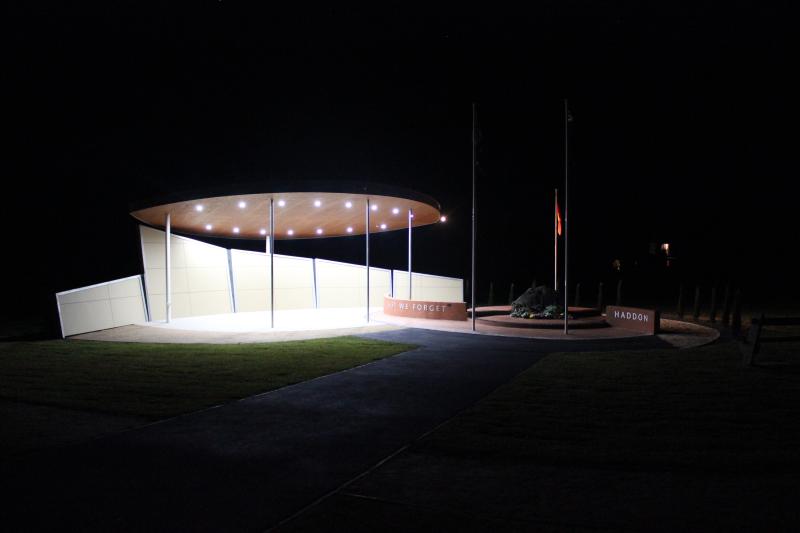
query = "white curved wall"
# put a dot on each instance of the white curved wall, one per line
(208, 279)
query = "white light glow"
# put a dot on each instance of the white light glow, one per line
(383, 226)
(242, 204)
(236, 230)
(374, 207)
(349, 229)
(443, 219)
(198, 208)
(263, 231)
(290, 232)
(317, 203)
(395, 211)
(281, 203)
(208, 227)
(319, 231)
(348, 205)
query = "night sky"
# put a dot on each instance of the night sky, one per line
(683, 131)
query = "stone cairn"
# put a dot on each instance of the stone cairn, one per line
(537, 302)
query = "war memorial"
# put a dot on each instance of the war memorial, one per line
(187, 284)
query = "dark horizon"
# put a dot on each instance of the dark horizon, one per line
(679, 132)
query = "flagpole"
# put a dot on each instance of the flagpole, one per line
(474, 222)
(566, 219)
(555, 245)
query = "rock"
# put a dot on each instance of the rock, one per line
(533, 300)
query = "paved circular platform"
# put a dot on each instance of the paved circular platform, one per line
(498, 310)
(506, 321)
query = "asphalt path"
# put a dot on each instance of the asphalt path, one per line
(249, 465)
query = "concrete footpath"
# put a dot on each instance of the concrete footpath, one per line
(248, 465)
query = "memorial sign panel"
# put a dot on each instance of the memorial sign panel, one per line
(646, 320)
(418, 309)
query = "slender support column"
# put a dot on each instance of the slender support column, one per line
(410, 219)
(366, 233)
(271, 263)
(566, 215)
(168, 253)
(474, 219)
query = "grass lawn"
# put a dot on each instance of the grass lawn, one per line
(660, 439)
(160, 380)
(656, 409)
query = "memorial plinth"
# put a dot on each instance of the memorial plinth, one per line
(420, 309)
(645, 320)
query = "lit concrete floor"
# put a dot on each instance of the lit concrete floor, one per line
(233, 328)
(285, 320)
(303, 324)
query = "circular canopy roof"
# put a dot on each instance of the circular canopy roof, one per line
(298, 215)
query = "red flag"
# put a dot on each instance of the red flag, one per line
(558, 219)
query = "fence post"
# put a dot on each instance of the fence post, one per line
(749, 346)
(736, 323)
(696, 312)
(726, 306)
(577, 295)
(600, 297)
(511, 293)
(680, 301)
(713, 312)
(619, 292)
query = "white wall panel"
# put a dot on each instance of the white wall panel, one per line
(428, 287)
(199, 276)
(294, 281)
(380, 284)
(106, 305)
(345, 284)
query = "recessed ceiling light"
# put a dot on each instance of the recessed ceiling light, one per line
(263, 231)
(349, 229)
(348, 205)
(281, 203)
(290, 232)
(383, 226)
(236, 230)
(395, 211)
(374, 207)
(242, 204)
(198, 208)
(319, 231)
(317, 203)
(208, 227)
